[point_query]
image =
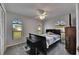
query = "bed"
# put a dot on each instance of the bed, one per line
(52, 36)
(43, 43)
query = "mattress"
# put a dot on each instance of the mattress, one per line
(50, 39)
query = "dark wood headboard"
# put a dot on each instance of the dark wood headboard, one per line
(56, 31)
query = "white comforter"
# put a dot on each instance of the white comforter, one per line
(50, 39)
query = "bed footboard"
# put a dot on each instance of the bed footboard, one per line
(42, 47)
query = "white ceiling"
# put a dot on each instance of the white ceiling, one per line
(29, 9)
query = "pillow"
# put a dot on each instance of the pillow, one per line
(50, 33)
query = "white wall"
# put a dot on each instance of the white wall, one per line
(29, 26)
(0, 30)
(77, 22)
(51, 23)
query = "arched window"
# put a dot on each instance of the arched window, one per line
(17, 28)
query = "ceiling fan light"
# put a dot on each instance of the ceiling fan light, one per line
(41, 14)
(42, 17)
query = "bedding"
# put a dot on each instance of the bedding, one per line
(44, 41)
(50, 39)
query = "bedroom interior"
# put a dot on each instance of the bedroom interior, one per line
(40, 29)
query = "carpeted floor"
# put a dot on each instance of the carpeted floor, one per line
(57, 49)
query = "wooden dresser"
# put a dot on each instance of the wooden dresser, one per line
(70, 39)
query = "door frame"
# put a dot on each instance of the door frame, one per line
(2, 29)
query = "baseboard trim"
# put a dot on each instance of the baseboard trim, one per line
(15, 44)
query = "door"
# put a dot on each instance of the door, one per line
(1, 30)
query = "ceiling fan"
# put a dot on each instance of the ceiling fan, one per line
(41, 14)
